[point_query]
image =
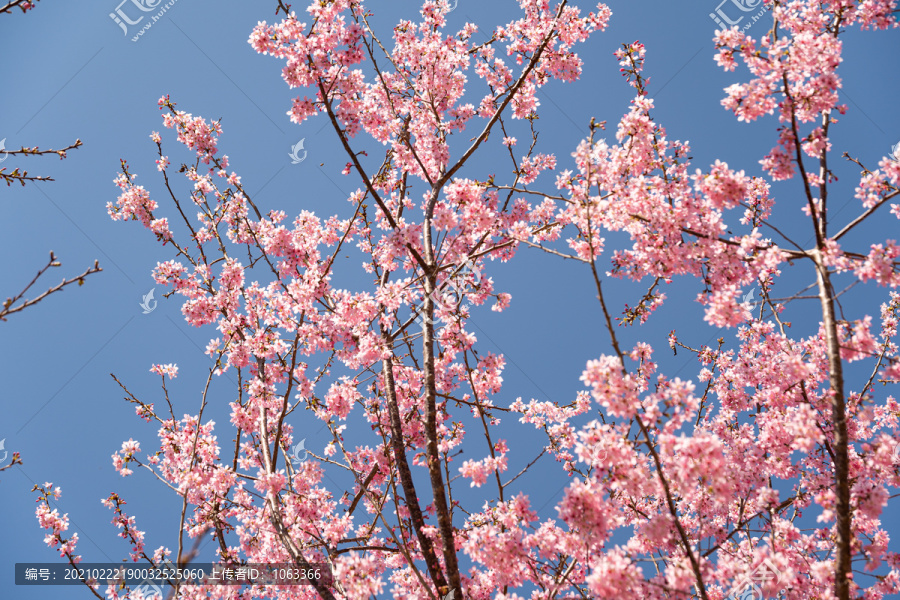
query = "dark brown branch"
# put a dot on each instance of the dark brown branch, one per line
(406, 481)
(8, 307)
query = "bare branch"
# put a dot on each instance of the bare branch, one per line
(8, 306)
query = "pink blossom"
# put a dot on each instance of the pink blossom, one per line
(169, 370)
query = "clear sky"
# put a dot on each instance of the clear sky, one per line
(70, 72)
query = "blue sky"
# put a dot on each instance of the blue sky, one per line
(70, 72)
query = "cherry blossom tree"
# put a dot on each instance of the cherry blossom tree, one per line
(705, 481)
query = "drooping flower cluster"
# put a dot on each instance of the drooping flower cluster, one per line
(54, 523)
